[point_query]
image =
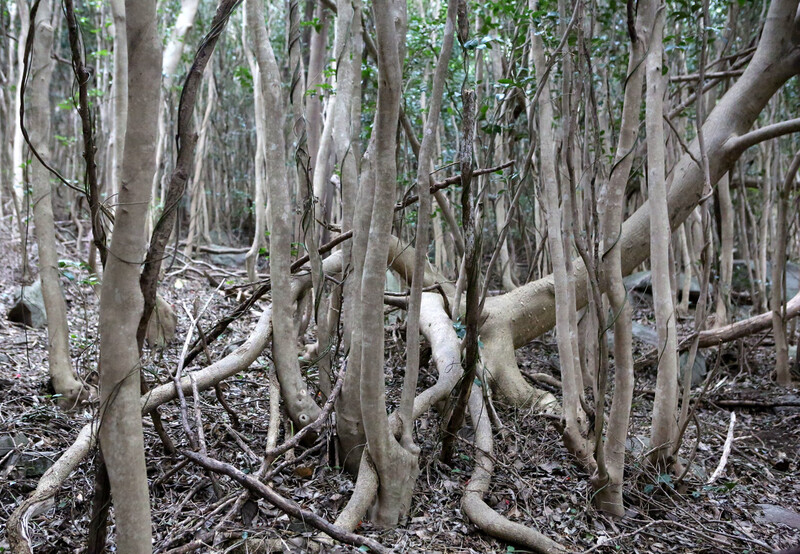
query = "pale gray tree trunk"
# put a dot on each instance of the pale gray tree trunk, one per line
(169, 65)
(65, 381)
(396, 467)
(664, 427)
(575, 421)
(259, 179)
(121, 301)
(299, 404)
(778, 292)
(119, 85)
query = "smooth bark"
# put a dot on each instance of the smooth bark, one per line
(664, 427)
(64, 380)
(121, 303)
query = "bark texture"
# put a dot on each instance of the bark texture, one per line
(523, 314)
(65, 381)
(121, 303)
(301, 407)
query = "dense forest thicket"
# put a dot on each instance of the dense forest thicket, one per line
(399, 275)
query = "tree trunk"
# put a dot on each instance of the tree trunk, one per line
(299, 404)
(65, 381)
(119, 85)
(575, 422)
(259, 203)
(664, 428)
(121, 302)
(778, 292)
(397, 467)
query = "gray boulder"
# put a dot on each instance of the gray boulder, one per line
(28, 307)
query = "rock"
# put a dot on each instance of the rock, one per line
(699, 369)
(778, 514)
(24, 464)
(162, 324)
(645, 334)
(640, 281)
(741, 280)
(393, 284)
(637, 445)
(792, 280)
(643, 282)
(228, 260)
(12, 442)
(28, 307)
(34, 465)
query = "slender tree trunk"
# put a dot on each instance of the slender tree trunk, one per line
(348, 406)
(171, 59)
(424, 165)
(299, 404)
(726, 252)
(120, 95)
(259, 203)
(62, 375)
(778, 292)
(396, 467)
(121, 302)
(17, 196)
(664, 428)
(198, 218)
(575, 422)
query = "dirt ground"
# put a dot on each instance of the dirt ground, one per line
(752, 507)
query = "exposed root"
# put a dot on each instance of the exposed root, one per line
(239, 360)
(479, 513)
(504, 374)
(437, 327)
(364, 493)
(292, 508)
(41, 498)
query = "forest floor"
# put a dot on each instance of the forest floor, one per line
(751, 507)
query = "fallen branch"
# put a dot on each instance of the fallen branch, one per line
(728, 333)
(757, 404)
(292, 508)
(726, 451)
(761, 322)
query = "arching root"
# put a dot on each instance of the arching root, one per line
(235, 362)
(479, 513)
(504, 375)
(41, 499)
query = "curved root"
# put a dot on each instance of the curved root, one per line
(42, 497)
(446, 354)
(505, 377)
(479, 513)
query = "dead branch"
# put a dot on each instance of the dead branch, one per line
(292, 508)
